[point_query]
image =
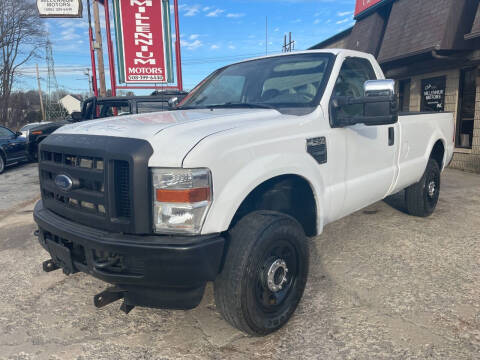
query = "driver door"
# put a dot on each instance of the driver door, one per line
(15, 147)
(370, 158)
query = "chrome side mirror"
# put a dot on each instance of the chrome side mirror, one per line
(379, 88)
(173, 102)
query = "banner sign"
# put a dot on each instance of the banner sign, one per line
(364, 5)
(60, 8)
(144, 41)
(433, 94)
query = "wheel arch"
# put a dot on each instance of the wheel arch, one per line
(291, 194)
(437, 152)
(232, 189)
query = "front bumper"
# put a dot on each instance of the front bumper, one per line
(153, 271)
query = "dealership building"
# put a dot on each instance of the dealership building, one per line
(432, 49)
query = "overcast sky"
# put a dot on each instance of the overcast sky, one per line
(214, 33)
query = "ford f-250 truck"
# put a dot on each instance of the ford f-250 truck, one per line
(226, 188)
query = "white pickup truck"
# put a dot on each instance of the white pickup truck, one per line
(228, 185)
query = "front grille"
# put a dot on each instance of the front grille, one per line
(109, 178)
(122, 187)
(88, 195)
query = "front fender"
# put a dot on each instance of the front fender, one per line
(230, 191)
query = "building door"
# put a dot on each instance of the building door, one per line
(466, 114)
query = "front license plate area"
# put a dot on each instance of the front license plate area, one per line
(61, 256)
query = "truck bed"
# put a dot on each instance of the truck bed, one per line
(414, 129)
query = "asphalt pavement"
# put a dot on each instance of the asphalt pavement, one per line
(382, 285)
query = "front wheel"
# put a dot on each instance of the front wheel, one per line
(422, 198)
(265, 272)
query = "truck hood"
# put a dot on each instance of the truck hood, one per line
(172, 134)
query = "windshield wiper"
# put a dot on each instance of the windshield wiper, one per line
(241, 105)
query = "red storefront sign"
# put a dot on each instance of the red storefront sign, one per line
(143, 41)
(363, 5)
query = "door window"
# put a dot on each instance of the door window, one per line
(350, 82)
(352, 77)
(5, 133)
(114, 109)
(151, 106)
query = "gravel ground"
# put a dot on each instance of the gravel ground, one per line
(18, 186)
(383, 285)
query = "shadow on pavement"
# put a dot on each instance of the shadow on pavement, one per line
(397, 201)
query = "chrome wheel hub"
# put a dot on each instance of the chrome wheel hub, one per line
(432, 187)
(277, 275)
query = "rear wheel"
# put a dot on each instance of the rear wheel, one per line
(422, 198)
(265, 272)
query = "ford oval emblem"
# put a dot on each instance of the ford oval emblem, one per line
(64, 182)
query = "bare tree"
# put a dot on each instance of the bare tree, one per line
(21, 38)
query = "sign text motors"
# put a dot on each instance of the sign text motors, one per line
(143, 33)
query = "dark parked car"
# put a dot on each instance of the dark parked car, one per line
(12, 148)
(96, 108)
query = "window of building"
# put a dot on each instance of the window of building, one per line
(466, 114)
(404, 95)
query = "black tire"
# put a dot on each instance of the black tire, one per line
(422, 198)
(258, 244)
(2, 164)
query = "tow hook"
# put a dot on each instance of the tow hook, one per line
(110, 295)
(49, 266)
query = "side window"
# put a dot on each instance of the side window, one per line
(151, 106)
(5, 133)
(112, 109)
(352, 76)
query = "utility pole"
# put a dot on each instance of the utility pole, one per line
(99, 48)
(87, 73)
(40, 94)
(290, 46)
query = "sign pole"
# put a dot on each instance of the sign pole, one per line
(92, 51)
(111, 61)
(178, 48)
(99, 48)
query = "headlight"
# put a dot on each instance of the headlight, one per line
(181, 200)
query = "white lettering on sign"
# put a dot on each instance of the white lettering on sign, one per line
(142, 29)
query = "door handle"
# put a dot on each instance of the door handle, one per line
(391, 136)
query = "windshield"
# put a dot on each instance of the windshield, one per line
(292, 83)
